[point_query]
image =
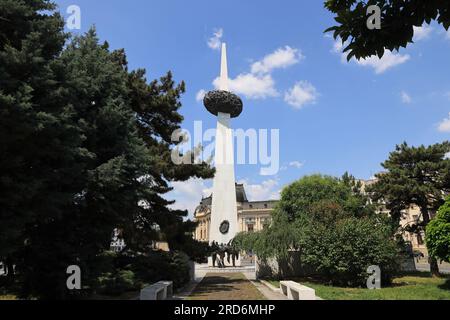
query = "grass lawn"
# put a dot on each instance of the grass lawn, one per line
(417, 286)
(232, 286)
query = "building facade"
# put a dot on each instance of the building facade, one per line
(253, 216)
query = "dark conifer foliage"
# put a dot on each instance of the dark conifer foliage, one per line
(85, 148)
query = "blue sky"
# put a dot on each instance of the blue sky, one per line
(333, 116)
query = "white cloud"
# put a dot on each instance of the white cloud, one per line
(301, 94)
(388, 61)
(259, 83)
(188, 194)
(281, 58)
(297, 164)
(251, 86)
(444, 126)
(215, 42)
(422, 33)
(267, 190)
(338, 46)
(200, 95)
(406, 98)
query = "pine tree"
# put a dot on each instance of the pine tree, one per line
(85, 149)
(39, 151)
(157, 107)
(414, 176)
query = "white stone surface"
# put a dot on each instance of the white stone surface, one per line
(161, 290)
(296, 291)
(201, 270)
(224, 69)
(224, 206)
(154, 292)
(168, 287)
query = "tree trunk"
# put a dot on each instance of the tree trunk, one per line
(434, 267)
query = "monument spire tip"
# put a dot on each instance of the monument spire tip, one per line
(224, 69)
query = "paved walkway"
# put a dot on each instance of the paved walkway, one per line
(443, 268)
(268, 293)
(226, 286)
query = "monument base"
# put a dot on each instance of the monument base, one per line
(237, 262)
(201, 270)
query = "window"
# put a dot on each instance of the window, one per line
(251, 206)
(265, 205)
(250, 220)
(250, 228)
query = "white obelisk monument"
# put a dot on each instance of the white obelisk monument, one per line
(225, 105)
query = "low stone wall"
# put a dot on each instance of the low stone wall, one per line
(408, 265)
(283, 268)
(293, 267)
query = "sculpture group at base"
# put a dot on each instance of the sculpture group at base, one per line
(219, 252)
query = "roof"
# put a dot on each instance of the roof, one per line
(241, 197)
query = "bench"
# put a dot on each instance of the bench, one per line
(169, 288)
(158, 291)
(296, 291)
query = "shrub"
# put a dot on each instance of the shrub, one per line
(119, 273)
(117, 283)
(342, 253)
(158, 266)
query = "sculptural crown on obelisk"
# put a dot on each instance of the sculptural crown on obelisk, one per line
(225, 105)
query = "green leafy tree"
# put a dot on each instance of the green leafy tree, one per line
(398, 18)
(333, 227)
(414, 176)
(302, 196)
(438, 234)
